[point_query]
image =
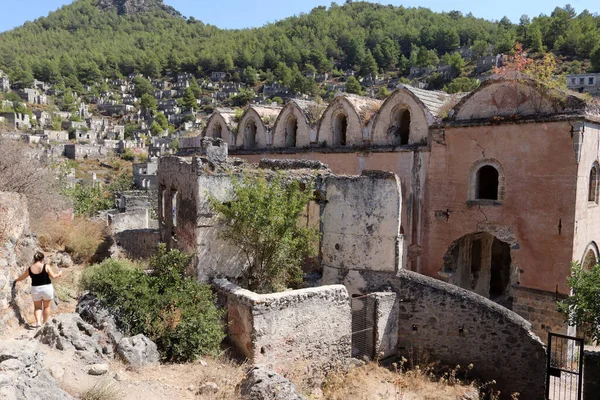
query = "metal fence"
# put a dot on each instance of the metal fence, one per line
(564, 367)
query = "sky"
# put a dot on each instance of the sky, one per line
(254, 13)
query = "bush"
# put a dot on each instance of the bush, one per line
(175, 311)
(80, 237)
(128, 155)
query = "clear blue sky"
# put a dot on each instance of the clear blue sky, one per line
(253, 13)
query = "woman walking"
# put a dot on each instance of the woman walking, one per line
(42, 290)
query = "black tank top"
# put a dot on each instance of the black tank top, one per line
(40, 279)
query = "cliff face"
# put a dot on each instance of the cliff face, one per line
(17, 247)
(126, 7)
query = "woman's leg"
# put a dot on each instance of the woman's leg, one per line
(37, 311)
(47, 305)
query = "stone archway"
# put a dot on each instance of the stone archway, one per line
(482, 263)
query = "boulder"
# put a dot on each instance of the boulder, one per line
(138, 351)
(70, 332)
(98, 369)
(207, 388)
(22, 374)
(264, 384)
(93, 311)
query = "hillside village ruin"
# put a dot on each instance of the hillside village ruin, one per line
(421, 200)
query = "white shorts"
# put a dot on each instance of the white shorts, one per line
(44, 292)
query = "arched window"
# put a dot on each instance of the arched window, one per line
(487, 183)
(593, 184)
(340, 126)
(590, 260)
(402, 127)
(291, 128)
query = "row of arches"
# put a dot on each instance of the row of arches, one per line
(348, 121)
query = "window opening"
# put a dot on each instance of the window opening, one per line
(340, 127)
(487, 183)
(593, 185)
(291, 129)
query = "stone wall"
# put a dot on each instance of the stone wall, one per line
(137, 244)
(539, 308)
(307, 328)
(456, 326)
(361, 225)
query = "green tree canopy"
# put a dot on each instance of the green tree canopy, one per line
(262, 221)
(353, 86)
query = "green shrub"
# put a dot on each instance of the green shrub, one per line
(173, 310)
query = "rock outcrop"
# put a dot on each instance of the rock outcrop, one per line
(264, 384)
(22, 374)
(126, 7)
(17, 247)
(70, 332)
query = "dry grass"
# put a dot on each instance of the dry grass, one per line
(372, 381)
(223, 371)
(103, 390)
(80, 237)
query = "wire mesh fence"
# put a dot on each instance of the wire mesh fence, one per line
(363, 331)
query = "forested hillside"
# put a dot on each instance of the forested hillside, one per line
(82, 43)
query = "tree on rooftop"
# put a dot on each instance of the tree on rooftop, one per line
(262, 220)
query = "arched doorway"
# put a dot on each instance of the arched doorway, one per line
(251, 134)
(217, 131)
(480, 262)
(291, 128)
(340, 127)
(401, 126)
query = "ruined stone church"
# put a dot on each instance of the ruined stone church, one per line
(495, 191)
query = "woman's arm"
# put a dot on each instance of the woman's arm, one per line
(24, 275)
(52, 274)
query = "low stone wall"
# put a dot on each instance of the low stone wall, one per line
(137, 244)
(307, 328)
(456, 326)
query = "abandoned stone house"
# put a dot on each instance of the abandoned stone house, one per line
(478, 177)
(584, 83)
(17, 120)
